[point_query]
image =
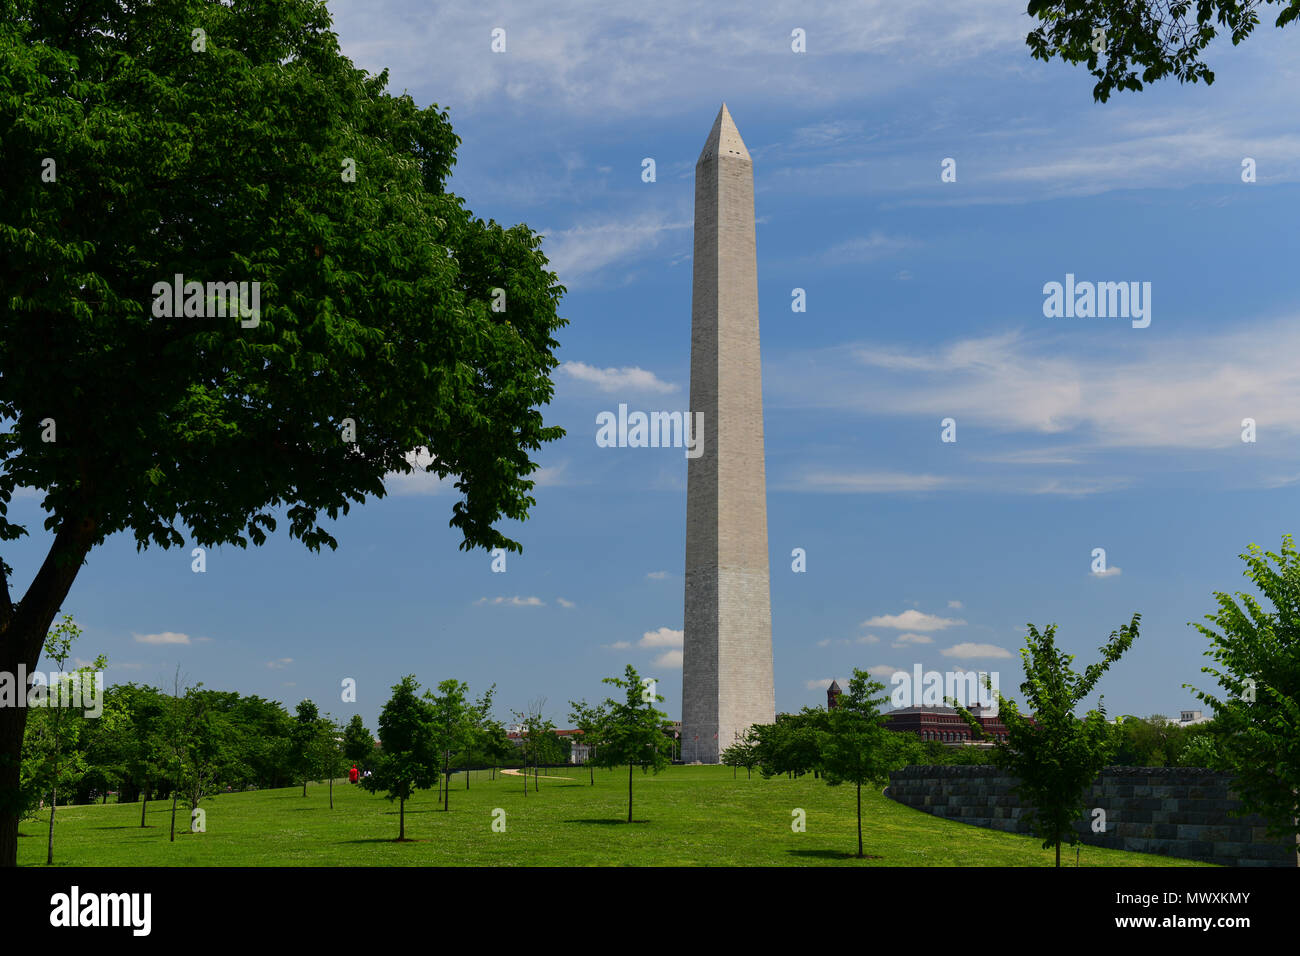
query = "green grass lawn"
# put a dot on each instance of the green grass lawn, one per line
(684, 816)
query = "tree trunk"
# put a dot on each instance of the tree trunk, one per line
(1058, 851)
(304, 786)
(629, 791)
(23, 628)
(144, 802)
(54, 801)
(331, 791)
(859, 821)
(591, 769)
(173, 836)
(401, 817)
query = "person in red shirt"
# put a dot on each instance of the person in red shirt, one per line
(352, 774)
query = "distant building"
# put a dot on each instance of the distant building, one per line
(945, 725)
(1188, 717)
(833, 695)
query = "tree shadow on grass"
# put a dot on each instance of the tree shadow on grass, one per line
(833, 855)
(605, 822)
(125, 826)
(380, 840)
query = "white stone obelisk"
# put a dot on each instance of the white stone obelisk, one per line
(727, 655)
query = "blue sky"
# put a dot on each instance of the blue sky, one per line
(924, 301)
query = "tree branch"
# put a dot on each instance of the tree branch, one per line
(6, 603)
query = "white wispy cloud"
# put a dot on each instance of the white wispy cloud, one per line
(589, 58)
(869, 482)
(912, 620)
(563, 603)
(166, 637)
(1193, 389)
(657, 575)
(903, 640)
(626, 379)
(578, 252)
(1111, 572)
(956, 605)
(279, 663)
(618, 646)
(969, 649)
(513, 601)
(868, 248)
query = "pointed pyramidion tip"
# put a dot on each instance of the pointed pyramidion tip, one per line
(724, 140)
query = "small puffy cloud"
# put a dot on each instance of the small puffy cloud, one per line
(664, 637)
(671, 659)
(868, 639)
(821, 684)
(825, 643)
(513, 601)
(882, 670)
(956, 605)
(563, 603)
(418, 481)
(279, 663)
(166, 637)
(913, 621)
(1110, 572)
(618, 646)
(626, 379)
(657, 575)
(969, 649)
(903, 640)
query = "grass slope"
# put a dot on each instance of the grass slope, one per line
(685, 816)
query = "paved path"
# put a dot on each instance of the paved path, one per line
(515, 773)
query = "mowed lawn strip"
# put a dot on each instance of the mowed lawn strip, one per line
(685, 816)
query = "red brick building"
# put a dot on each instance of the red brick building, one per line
(945, 725)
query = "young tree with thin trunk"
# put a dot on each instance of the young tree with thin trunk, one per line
(55, 744)
(1055, 755)
(306, 742)
(379, 325)
(856, 747)
(453, 721)
(633, 732)
(409, 761)
(589, 720)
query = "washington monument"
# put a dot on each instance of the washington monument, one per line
(727, 652)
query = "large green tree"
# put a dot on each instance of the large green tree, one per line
(1055, 755)
(1117, 38)
(227, 143)
(1256, 655)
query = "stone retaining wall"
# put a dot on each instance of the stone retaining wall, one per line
(1173, 811)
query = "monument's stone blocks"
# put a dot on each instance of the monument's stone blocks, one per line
(727, 682)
